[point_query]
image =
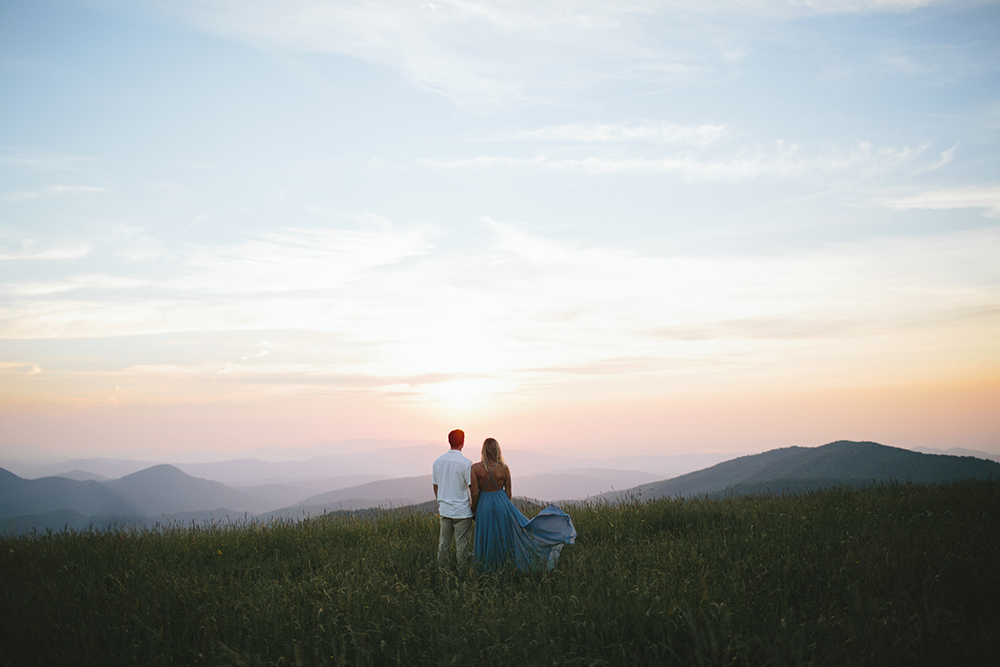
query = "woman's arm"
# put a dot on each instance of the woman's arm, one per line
(506, 485)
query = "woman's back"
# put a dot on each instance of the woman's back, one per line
(494, 478)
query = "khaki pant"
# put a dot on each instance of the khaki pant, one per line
(461, 530)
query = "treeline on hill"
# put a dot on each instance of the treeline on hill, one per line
(899, 574)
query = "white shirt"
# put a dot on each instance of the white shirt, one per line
(453, 475)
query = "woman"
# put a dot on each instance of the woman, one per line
(505, 535)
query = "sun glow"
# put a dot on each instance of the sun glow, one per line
(465, 394)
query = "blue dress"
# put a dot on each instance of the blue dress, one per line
(504, 534)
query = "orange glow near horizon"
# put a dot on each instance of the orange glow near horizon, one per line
(758, 354)
(939, 414)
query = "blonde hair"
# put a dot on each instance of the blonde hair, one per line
(491, 452)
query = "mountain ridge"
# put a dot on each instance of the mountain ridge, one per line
(846, 460)
(162, 494)
(166, 489)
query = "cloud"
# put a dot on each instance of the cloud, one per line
(43, 162)
(509, 52)
(28, 252)
(935, 63)
(793, 8)
(92, 281)
(784, 161)
(322, 280)
(645, 131)
(975, 196)
(301, 259)
(198, 219)
(448, 47)
(135, 246)
(55, 191)
(946, 157)
(18, 367)
(526, 311)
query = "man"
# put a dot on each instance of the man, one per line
(452, 480)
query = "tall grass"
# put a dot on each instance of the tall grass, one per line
(893, 575)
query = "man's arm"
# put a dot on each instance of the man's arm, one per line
(435, 492)
(474, 492)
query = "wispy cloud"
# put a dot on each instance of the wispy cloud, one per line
(93, 281)
(46, 162)
(645, 131)
(28, 251)
(302, 260)
(507, 52)
(55, 191)
(198, 219)
(526, 310)
(786, 160)
(134, 245)
(937, 64)
(976, 196)
(946, 158)
(24, 368)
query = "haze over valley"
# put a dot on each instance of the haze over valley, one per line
(81, 493)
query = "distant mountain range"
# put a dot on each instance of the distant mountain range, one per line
(401, 491)
(959, 451)
(347, 460)
(161, 493)
(797, 469)
(166, 494)
(35, 496)
(164, 489)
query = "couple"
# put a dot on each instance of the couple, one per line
(480, 492)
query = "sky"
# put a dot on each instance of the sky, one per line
(616, 228)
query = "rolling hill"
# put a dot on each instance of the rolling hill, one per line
(165, 494)
(161, 493)
(401, 491)
(383, 493)
(165, 489)
(795, 469)
(346, 462)
(19, 497)
(283, 494)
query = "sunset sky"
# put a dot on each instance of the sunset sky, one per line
(614, 227)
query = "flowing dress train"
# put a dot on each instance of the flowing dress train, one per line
(504, 534)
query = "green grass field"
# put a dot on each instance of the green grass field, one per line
(892, 575)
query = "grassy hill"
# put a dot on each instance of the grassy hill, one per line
(893, 575)
(803, 468)
(163, 493)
